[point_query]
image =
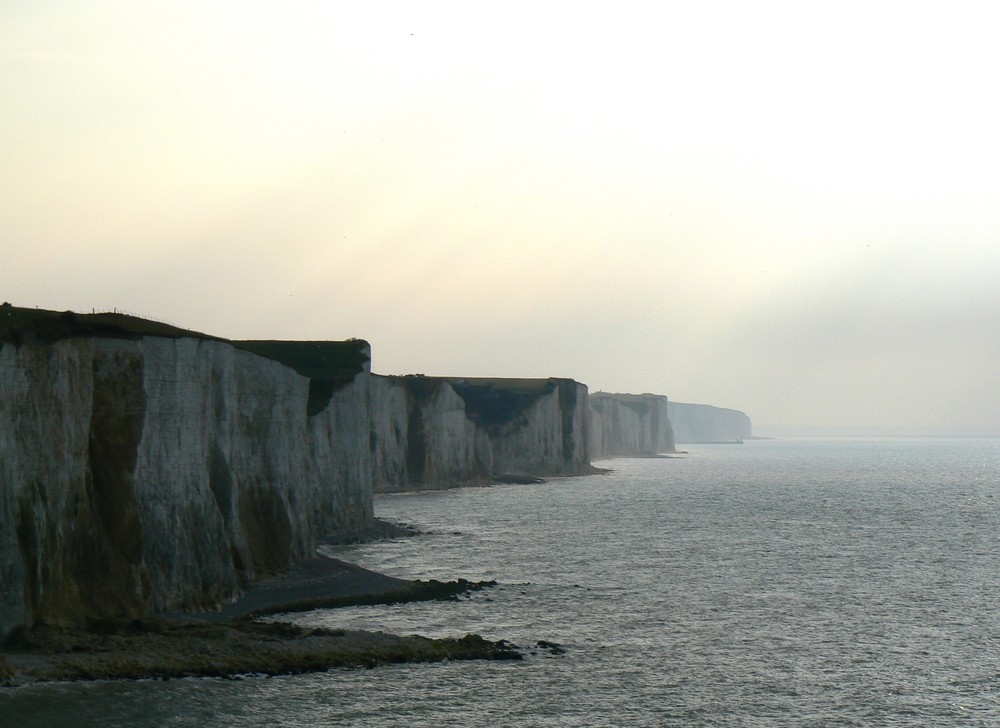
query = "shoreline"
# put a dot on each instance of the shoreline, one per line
(228, 643)
(321, 579)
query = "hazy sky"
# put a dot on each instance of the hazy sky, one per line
(792, 209)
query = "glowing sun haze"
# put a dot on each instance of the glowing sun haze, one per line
(788, 209)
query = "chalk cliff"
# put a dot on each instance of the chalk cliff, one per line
(145, 468)
(438, 432)
(422, 438)
(702, 423)
(629, 424)
(143, 473)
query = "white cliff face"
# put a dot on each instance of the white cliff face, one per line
(144, 475)
(47, 516)
(388, 434)
(444, 447)
(421, 436)
(629, 424)
(702, 423)
(148, 474)
(429, 435)
(549, 438)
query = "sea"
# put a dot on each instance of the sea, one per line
(799, 582)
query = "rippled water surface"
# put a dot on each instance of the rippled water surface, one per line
(846, 582)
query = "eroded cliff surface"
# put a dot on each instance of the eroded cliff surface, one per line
(702, 423)
(629, 424)
(437, 432)
(422, 438)
(141, 474)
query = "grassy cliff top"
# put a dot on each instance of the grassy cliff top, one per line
(18, 325)
(490, 401)
(512, 384)
(315, 359)
(497, 401)
(329, 360)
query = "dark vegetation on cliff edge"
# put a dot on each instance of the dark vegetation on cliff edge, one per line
(329, 365)
(493, 402)
(489, 402)
(638, 403)
(22, 325)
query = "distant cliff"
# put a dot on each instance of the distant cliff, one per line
(144, 469)
(439, 432)
(702, 423)
(629, 424)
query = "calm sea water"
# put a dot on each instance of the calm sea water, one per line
(778, 583)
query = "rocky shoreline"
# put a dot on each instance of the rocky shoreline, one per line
(172, 649)
(230, 643)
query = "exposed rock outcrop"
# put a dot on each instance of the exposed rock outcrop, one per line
(702, 423)
(629, 424)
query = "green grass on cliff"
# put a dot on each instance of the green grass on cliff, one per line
(314, 359)
(18, 325)
(495, 402)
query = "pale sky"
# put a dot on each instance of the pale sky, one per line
(785, 208)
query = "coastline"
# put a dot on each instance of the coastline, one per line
(229, 643)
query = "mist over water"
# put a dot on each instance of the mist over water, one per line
(807, 582)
